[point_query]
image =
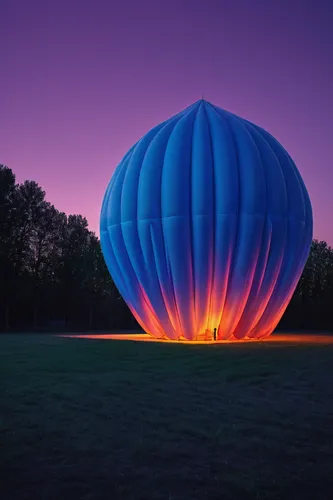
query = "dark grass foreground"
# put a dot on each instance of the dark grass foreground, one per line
(94, 419)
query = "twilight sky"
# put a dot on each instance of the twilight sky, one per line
(82, 80)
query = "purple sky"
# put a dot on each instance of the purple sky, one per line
(82, 80)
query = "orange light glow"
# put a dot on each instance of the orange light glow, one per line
(275, 338)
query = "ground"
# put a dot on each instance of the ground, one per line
(101, 419)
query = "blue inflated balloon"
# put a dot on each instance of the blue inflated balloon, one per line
(206, 223)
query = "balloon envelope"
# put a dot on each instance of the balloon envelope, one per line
(206, 224)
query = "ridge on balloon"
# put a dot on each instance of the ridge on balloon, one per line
(206, 226)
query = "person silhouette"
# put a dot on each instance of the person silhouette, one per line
(214, 333)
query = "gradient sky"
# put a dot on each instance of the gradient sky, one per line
(82, 80)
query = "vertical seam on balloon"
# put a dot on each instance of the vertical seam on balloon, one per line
(142, 288)
(300, 267)
(153, 246)
(143, 295)
(121, 274)
(224, 117)
(173, 120)
(307, 208)
(131, 306)
(235, 246)
(214, 222)
(270, 228)
(105, 201)
(219, 114)
(158, 281)
(300, 184)
(155, 262)
(122, 165)
(167, 257)
(249, 130)
(136, 221)
(166, 250)
(188, 115)
(262, 235)
(191, 227)
(283, 256)
(115, 176)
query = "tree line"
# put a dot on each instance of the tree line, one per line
(53, 275)
(52, 270)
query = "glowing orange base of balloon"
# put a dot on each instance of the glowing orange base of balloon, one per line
(278, 337)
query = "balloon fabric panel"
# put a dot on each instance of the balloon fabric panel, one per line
(206, 224)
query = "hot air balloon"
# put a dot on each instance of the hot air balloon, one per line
(206, 226)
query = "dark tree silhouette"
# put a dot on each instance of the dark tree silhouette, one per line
(53, 275)
(8, 228)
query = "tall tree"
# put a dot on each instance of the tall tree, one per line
(44, 252)
(97, 285)
(8, 223)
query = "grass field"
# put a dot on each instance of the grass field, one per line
(95, 419)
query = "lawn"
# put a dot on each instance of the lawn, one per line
(100, 419)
